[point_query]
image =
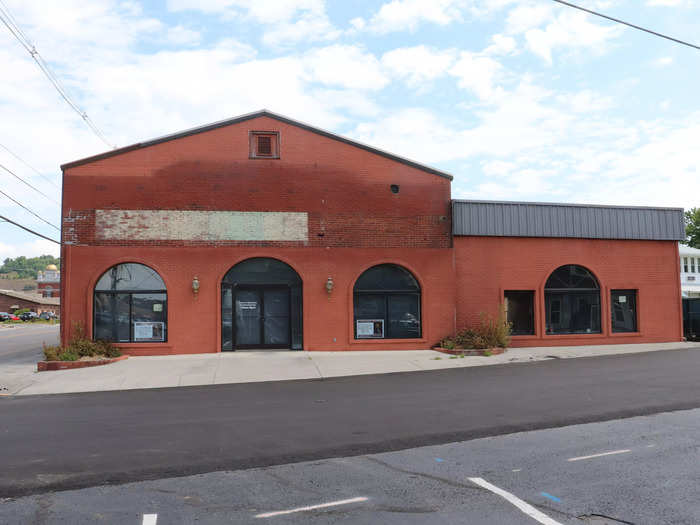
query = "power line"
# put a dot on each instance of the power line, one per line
(29, 166)
(27, 229)
(25, 182)
(16, 31)
(627, 24)
(30, 211)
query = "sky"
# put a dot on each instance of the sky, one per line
(524, 100)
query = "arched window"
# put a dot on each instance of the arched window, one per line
(387, 304)
(572, 301)
(130, 305)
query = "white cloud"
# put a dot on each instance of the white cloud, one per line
(501, 45)
(570, 30)
(418, 64)
(286, 21)
(669, 3)
(479, 74)
(662, 62)
(345, 66)
(28, 249)
(402, 15)
(180, 35)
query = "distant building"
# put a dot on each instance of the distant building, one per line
(49, 281)
(11, 300)
(690, 271)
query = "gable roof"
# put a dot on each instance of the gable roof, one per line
(250, 116)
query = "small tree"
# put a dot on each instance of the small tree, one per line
(692, 227)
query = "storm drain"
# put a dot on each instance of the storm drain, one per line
(601, 519)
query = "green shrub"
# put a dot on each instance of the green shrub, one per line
(67, 355)
(489, 333)
(107, 349)
(448, 343)
(20, 311)
(80, 346)
(51, 352)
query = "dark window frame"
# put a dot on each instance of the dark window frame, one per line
(628, 292)
(274, 143)
(564, 297)
(386, 295)
(131, 293)
(533, 322)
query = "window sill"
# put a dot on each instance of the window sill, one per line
(626, 334)
(159, 344)
(574, 336)
(388, 341)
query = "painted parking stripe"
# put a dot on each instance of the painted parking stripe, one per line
(612, 452)
(150, 519)
(310, 507)
(520, 504)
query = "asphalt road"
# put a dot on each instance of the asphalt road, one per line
(22, 344)
(641, 471)
(78, 440)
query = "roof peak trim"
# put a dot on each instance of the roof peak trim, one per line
(250, 116)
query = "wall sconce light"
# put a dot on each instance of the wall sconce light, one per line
(329, 285)
(195, 285)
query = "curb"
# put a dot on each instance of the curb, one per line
(471, 351)
(46, 366)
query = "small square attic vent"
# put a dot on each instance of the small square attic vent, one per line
(264, 145)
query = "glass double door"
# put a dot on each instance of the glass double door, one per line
(261, 317)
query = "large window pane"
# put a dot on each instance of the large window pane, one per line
(404, 316)
(572, 313)
(520, 311)
(112, 317)
(148, 316)
(623, 308)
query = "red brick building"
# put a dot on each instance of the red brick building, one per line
(264, 232)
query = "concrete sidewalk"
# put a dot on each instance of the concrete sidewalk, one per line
(245, 367)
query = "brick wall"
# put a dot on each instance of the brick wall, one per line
(344, 190)
(486, 266)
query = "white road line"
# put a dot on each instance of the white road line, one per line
(600, 455)
(310, 507)
(149, 519)
(525, 507)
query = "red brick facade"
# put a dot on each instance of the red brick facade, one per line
(355, 220)
(487, 266)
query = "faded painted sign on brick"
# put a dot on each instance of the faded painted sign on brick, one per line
(186, 225)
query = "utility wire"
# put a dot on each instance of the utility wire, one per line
(27, 229)
(29, 166)
(14, 28)
(30, 211)
(25, 182)
(627, 24)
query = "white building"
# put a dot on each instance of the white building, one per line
(690, 271)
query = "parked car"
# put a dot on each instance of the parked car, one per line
(47, 316)
(29, 316)
(4, 316)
